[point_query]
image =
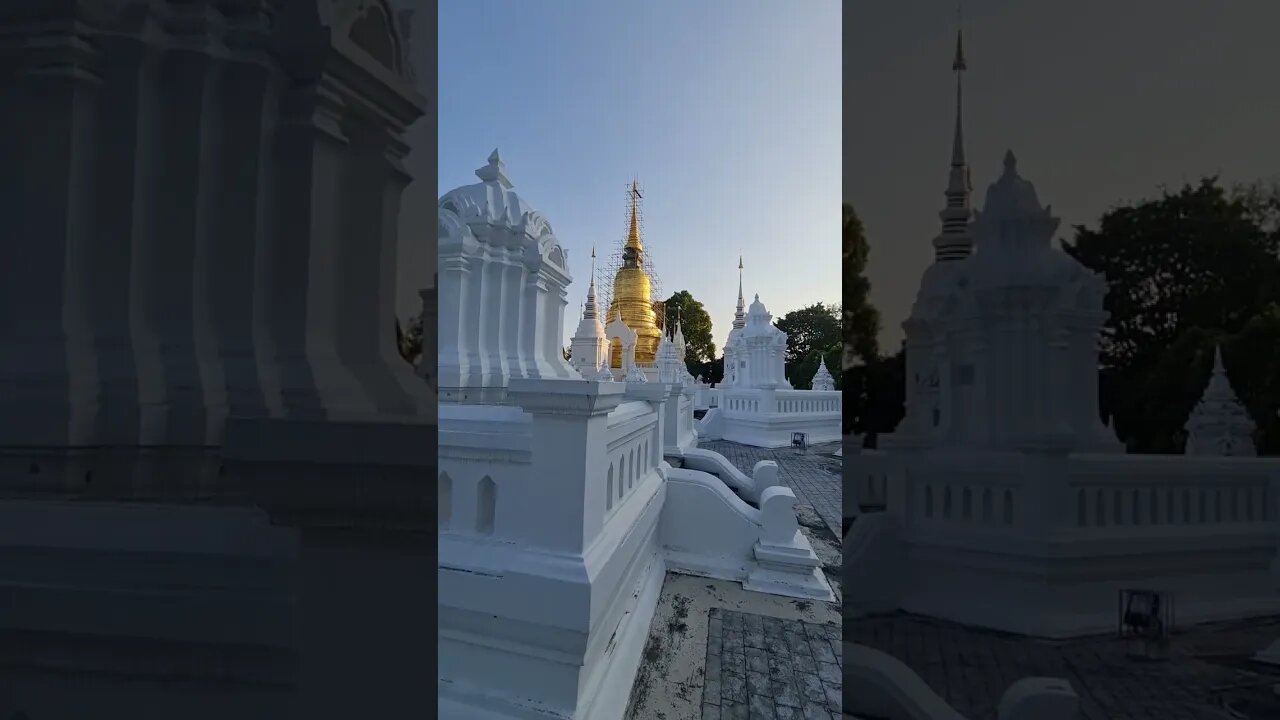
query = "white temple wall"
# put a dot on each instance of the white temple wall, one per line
(577, 498)
(1063, 534)
(766, 417)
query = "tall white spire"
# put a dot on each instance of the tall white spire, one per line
(590, 310)
(740, 315)
(955, 241)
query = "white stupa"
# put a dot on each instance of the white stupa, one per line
(761, 351)
(1220, 423)
(669, 361)
(589, 347)
(822, 380)
(1002, 346)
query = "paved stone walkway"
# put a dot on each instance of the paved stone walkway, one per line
(971, 668)
(770, 668)
(815, 476)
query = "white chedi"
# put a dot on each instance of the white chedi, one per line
(589, 347)
(760, 351)
(1220, 423)
(822, 380)
(978, 319)
(669, 362)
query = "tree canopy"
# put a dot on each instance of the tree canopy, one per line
(812, 332)
(1185, 271)
(860, 320)
(1194, 258)
(695, 324)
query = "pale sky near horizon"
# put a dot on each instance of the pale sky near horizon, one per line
(728, 112)
(1102, 102)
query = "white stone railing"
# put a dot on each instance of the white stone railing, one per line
(1133, 493)
(973, 502)
(783, 402)
(741, 403)
(867, 477)
(1124, 494)
(634, 450)
(809, 401)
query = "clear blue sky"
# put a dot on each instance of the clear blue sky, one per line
(728, 112)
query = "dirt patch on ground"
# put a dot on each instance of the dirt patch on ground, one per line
(672, 671)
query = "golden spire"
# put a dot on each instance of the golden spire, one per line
(633, 235)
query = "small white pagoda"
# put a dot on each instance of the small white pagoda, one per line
(1220, 423)
(589, 348)
(822, 380)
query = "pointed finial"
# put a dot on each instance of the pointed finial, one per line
(495, 171)
(1010, 163)
(1217, 360)
(633, 200)
(958, 64)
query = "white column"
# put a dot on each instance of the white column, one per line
(225, 283)
(119, 134)
(284, 254)
(452, 286)
(495, 304)
(170, 195)
(513, 282)
(328, 216)
(557, 299)
(474, 317)
(48, 368)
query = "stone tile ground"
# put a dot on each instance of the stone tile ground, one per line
(676, 675)
(1207, 668)
(759, 666)
(672, 680)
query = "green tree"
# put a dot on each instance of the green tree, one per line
(409, 341)
(1195, 258)
(1183, 271)
(880, 388)
(1262, 200)
(860, 320)
(695, 324)
(810, 328)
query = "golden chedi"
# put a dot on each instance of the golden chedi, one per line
(633, 295)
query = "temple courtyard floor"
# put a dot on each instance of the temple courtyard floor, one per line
(1205, 674)
(717, 651)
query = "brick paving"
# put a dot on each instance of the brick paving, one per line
(766, 667)
(971, 668)
(814, 476)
